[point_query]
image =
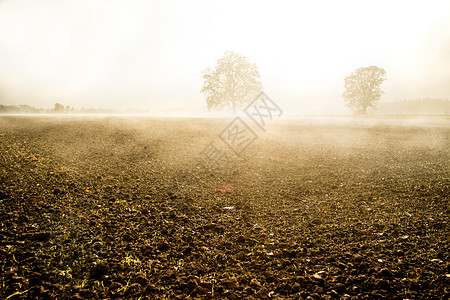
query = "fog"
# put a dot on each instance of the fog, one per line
(116, 182)
(149, 54)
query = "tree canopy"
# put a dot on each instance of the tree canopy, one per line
(362, 88)
(58, 107)
(233, 82)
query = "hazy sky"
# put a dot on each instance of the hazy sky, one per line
(149, 54)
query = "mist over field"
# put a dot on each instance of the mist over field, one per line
(119, 206)
(224, 150)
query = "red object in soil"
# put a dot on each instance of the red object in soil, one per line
(224, 189)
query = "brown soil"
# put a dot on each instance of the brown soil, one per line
(118, 208)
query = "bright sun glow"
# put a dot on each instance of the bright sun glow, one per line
(137, 53)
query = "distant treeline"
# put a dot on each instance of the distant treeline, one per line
(425, 106)
(26, 109)
(57, 109)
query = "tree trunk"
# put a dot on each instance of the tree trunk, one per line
(364, 110)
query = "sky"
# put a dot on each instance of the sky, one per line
(149, 55)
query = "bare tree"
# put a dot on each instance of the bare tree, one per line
(362, 88)
(233, 82)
